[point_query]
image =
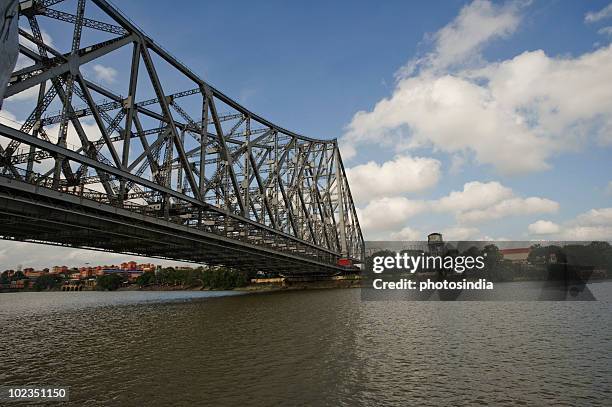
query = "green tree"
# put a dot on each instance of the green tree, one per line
(221, 278)
(145, 279)
(45, 282)
(109, 282)
(492, 259)
(472, 251)
(18, 275)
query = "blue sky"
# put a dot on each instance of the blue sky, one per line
(312, 66)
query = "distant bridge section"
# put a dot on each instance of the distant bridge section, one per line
(156, 162)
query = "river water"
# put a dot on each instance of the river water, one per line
(314, 347)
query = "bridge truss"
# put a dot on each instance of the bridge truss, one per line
(156, 161)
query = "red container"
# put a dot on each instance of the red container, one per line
(345, 262)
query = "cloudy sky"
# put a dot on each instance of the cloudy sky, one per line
(481, 120)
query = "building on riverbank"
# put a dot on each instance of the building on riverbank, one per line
(517, 255)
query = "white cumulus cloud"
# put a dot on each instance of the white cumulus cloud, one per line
(477, 24)
(595, 217)
(461, 233)
(594, 16)
(543, 227)
(408, 233)
(401, 175)
(513, 115)
(485, 201)
(595, 224)
(510, 207)
(388, 214)
(478, 202)
(105, 74)
(475, 195)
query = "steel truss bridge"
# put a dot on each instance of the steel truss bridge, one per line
(157, 162)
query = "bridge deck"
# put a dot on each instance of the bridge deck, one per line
(37, 214)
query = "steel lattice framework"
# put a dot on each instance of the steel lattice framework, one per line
(169, 167)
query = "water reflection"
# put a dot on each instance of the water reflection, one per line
(313, 347)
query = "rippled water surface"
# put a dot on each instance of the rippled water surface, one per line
(322, 347)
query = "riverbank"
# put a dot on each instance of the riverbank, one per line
(256, 286)
(268, 285)
(275, 284)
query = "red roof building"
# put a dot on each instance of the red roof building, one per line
(518, 255)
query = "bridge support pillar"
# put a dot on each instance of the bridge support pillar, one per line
(340, 191)
(9, 42)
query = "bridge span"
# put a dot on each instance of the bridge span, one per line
(157, 162)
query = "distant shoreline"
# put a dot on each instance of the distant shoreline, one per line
(252, 288)
(260, 288)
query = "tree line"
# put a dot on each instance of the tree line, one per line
(215, 278)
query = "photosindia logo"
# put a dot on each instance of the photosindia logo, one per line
(422, 263)
(482, 270)
(446, 270)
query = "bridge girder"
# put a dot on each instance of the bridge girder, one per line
(165, 153)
